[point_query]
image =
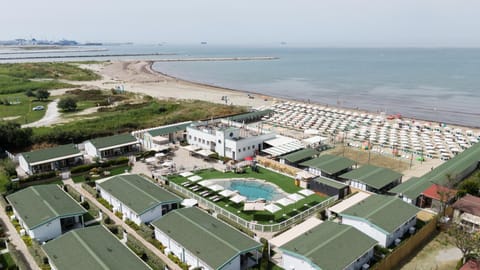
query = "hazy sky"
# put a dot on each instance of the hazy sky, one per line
(302, 22)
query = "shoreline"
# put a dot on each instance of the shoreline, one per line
(140, 77)
(286, 99)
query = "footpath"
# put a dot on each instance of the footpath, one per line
(131, 232)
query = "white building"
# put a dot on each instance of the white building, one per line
(112, 146)
(157, 138)
(202, 241)
(137, 198)
(50, 159)
(383, 218)
(228, 139)
(46, 211)
(328, 246)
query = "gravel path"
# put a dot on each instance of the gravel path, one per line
(51, 116)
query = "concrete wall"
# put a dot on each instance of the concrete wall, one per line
(367, 229)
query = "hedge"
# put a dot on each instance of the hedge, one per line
(40, 176)
(145, 254)
(88, 167)
(263, 217)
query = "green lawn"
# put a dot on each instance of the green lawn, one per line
(286, 183)
(4, 181)
(115, 171)
(6, 261)
(24, 109)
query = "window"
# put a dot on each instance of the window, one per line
(253, 146)
(248, 148)
(239, 150)
(244, 149)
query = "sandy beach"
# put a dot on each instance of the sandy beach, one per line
(139, 77)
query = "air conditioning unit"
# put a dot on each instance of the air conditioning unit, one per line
(397, 241)
(366, 266)
(411, 230)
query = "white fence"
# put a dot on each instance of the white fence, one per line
(253, 225)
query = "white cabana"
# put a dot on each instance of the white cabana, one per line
(295, 197)
(195, 178)
(205, 152)
(189, 202)
(254, 206)
(216, 187)
(238, 198)
(284, 201)
(186, 174)
(227, 193)
(306, 192)
(272, 208)
(205, 183)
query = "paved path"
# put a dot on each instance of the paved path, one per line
(17, 242)
(132, 233)
(51, 116)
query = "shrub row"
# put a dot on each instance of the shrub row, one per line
(88, 167)
(263, 217)
(176, 260)
(40, 176)
(145, 254)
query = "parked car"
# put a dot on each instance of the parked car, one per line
(38, 108)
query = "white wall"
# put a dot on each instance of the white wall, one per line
(90, 149)
(293, 263)
(358, 185)
(401, 231)
(152, 214)
(367, 229)
(233, 264)
(24, 164)
(47, 231)
(363, 260)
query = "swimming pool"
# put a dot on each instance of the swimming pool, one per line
(254, 189)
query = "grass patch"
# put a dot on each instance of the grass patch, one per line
(113, 172)
(4, 182)
(129, 117)
(91, 98)
(23, 110)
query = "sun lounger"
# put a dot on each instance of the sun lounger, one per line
(195, 188)
(217, 199)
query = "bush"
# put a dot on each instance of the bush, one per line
(68, 104)
(104, 202)
(119, 214)
(147, 255)
(132, 224)
(40, 176)
(263, 217)
(118, 161)
(85, 205)
(83, 168)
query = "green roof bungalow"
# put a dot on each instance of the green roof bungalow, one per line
(46, 211)
(328, 246)
(329, 187)
(299, 156)
(112, 146)
(157, 138)
(328, 166)
(50, 159)
(384, 218)
(204, 242)
(372, 178)
(137, 198)
(93, 248)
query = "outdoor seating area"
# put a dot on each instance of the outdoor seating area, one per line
(204, 183)
(381, 133)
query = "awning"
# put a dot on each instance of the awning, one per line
(195, 178)
(216, 187)
(238, 198)
(227, 193)
(295, 197)
(191, 148)
(272, 208)
(205, 152)
(284, 201)
(186, 174)
(284, 148)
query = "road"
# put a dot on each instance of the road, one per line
(15, 240)
(51, 116)
(131, 232)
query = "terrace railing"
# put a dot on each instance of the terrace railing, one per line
(253, 225)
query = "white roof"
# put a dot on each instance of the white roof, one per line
(272, 208)
(216, 187)
(189, 202)
(238, 198)
(227, 193)
(349, 202)
(205, 152)
(284, 149)
(195, 178)
(284, 201)
(295, 197)
(306, 192)
(186, 174)
(191, 148)
(280, 140)
(314, 139)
